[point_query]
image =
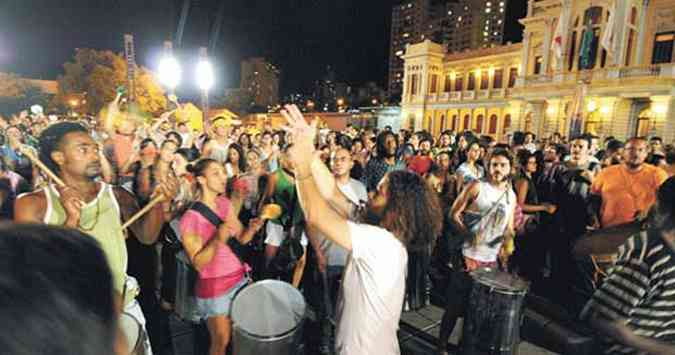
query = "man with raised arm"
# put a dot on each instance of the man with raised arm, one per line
(408, 218)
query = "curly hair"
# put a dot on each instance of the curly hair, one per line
(413, 211)
(51, 139)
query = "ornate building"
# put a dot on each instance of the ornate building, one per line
(611, 75)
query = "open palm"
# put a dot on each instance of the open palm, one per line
(302, 132)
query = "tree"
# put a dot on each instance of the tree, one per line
(95, 75)
(18, 94)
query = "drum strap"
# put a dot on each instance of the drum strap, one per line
(213, 218)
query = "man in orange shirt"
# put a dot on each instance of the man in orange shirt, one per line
(628, 190)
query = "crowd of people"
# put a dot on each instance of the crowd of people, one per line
(365, 214)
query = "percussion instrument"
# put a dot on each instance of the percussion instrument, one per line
(605, 240)
(494, 313)
(275, 327)
(133, 332)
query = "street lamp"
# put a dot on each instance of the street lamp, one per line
(205, 81)
(204, 75)
(169, 72)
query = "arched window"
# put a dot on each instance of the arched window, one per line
(454, 122)
(507, 122)
(442, 127)
(479, 124)
(467, 122)
(492, 126)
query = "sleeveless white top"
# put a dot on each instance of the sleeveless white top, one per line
(493, 225)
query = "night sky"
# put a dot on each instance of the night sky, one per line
(301, 36)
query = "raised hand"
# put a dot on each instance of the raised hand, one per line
(302, 151)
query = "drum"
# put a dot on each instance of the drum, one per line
(133, 332)
(275, 327)
(494, 313)
(185, 304)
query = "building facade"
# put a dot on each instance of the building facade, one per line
(409, 24)
(457, 24)
(594, 74)
(260, 79)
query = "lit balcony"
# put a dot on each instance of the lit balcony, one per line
(657, 71)
(468, 95)
(483, 94)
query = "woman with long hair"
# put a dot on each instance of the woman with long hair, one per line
(236, 161)
(220, 271)
(470, 170)
(529, 254)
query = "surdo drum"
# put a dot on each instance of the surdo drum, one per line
(494, 313)
(267, 318)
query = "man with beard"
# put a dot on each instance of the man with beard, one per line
(409, 217)
(384, 162)
(484, 210)
(96, 208)
(421, 163)
(571, 188)
(627, 191)
(331, 258)
(613, 154)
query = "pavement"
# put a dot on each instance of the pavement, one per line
(419, 330)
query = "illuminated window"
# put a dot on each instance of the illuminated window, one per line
(497, 78)
(471, 85)
(479, 124)
(492, 125)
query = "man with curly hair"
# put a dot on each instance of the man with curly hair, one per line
(406, 218)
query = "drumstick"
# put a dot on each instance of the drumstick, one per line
(143, 211)
(29, 154)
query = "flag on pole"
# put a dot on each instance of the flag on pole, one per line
(557, 39)
(586, 47)
(607, 40)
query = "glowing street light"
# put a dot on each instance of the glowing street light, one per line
(204, 74)
(340, 102)
(205, 80)
(169, 72)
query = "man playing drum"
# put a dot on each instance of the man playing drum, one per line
(373, 286)
(96, 208)
(492, 204)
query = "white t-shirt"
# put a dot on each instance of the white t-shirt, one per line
(355, 192)
(371, 298)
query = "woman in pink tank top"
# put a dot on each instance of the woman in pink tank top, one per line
(221, 273)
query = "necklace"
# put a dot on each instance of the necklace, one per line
(98, 213)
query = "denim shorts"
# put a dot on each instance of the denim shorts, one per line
(218, 306)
